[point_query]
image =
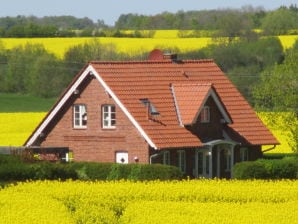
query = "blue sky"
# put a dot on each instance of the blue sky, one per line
(110, 10)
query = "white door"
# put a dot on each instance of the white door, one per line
(122, 157)
(202, 163)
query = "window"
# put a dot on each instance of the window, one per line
(181, 160)
(108, 116)
(79, 116)
(243, 154)
(122, 157)
(166, 158)
(205, 114)
(151, 108)
(228, 158)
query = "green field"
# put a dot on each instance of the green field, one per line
(22, 103)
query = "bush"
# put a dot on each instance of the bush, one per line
(14, 169)
(249, 170)
(91, 170)
(52, 171)
(286, 168)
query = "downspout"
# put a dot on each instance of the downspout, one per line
(266, 150)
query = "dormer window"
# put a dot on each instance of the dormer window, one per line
(79, 116)
(151, 108)
(205, 115)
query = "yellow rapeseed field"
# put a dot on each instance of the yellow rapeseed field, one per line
(131, 46)
(162, 39)
(195, 201)
(15, 128)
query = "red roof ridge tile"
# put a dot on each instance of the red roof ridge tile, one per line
(163, 61)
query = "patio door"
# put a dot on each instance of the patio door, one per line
(203, 163)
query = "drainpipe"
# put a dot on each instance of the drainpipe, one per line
(266, 150)
(153, 156)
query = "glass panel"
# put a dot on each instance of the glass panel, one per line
(200, 163)
(207, 163)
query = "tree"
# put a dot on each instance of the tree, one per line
(278, 91)
(280, 21)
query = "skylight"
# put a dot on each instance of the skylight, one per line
(151, 108)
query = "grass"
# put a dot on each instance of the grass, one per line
(20, 103)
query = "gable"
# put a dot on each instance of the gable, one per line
(190, 99)
(73, 90)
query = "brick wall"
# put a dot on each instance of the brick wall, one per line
(95, 143)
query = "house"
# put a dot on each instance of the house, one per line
(162, 110)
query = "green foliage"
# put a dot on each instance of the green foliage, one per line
(286, 168)
(280, 21)
(249, 170)
(278, 91)
(14, 169)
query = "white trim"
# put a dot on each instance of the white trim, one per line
(55, 110)
(123, 108)
(219, 105)
(176, 106)
(68, 94)
(82, 110)
(109, 118)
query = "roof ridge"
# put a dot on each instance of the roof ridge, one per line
(163, 61)
(193, 84)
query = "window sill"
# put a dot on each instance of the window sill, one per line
(108, 128)
(79, 128)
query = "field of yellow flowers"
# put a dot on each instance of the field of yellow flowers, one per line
(194, 201)
(162, 39)
(15, 128)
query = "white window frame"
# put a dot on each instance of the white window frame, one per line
(122, 157)
(181, 160)
(205, 114)
(243, 154)
(108, 116)
(79, 116)
(166, 158)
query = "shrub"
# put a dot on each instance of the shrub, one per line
(52, 171)
(12, 168)
(250, 170)
(91, 170)
(286, 168)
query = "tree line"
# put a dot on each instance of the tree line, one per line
(229, 22)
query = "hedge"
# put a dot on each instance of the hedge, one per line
(286, 168)
(14, 169)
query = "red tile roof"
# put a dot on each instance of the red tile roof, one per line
(189, 99)
(152, 79)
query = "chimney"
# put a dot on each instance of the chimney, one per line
(157, 54)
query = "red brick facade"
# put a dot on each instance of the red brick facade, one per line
(95, 143)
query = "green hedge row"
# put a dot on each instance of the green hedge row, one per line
(13, 169)
(286, 168)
